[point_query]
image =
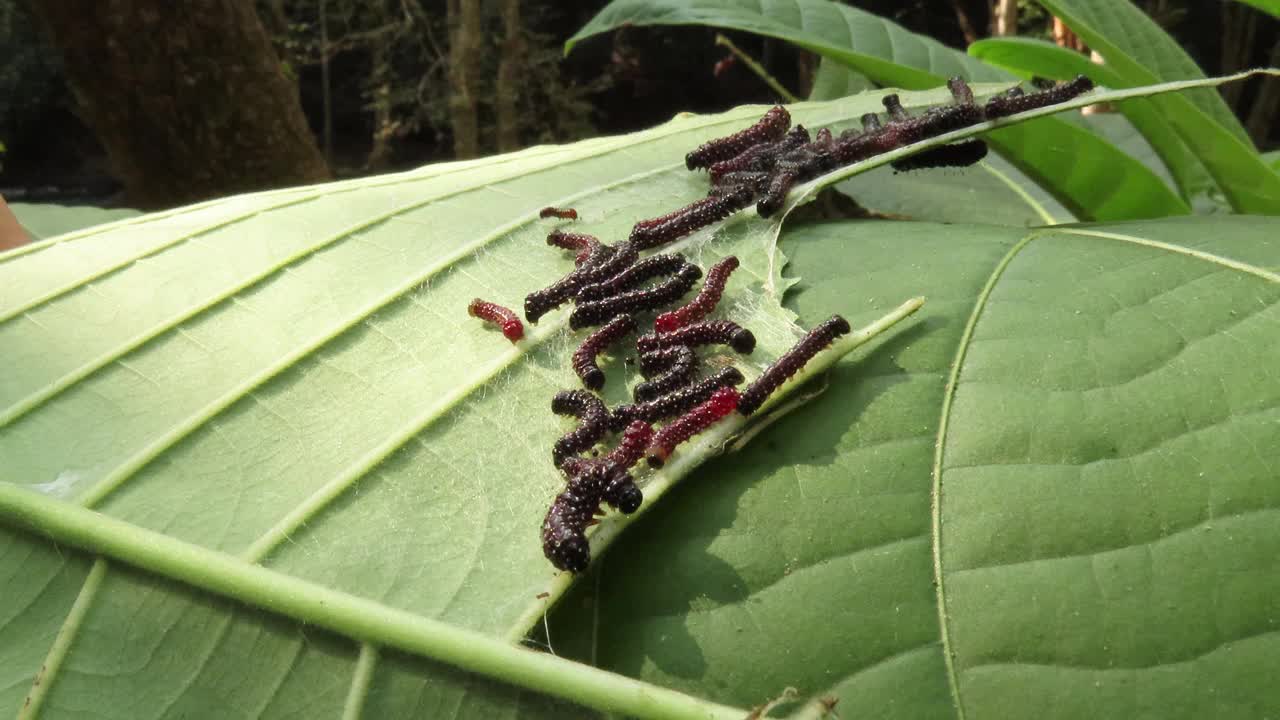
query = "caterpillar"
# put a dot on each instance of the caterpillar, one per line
(635, 438)
(593, 423)
(771, 126)
(678, 372)
(704, 303)
(564, 540)
(790, 363)
(620, 492)
(961, 154)
(655, 362)
(651, 233)
(504, 318)
(721, 403)
(759, 157)
(646, 269)
(1011, 103)
(562, 213)
(584, 358)
(596, 312)
(588, 247)
(675, 402)
(540, 302)
(723, 332)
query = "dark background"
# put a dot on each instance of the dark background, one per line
(389, 79)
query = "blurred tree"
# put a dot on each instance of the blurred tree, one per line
(189, 100)
(464, 60)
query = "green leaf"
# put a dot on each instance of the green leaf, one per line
(1084, 172)
(1272, 158)
(1031, 57)
(45, 220)
(289, 380)
(1140, 53)
(1076, 441)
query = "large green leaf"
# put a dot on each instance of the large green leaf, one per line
(276, 401)
(1138, 53)
(1084, 172)
(1032, 57)
(1078, 443)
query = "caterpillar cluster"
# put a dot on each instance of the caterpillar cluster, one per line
(763, 162)
(608, 289)
(611, 287)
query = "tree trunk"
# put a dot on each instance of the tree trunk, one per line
(966, 25)
(464, 55)
(189, 99)
(507, 91)
(1005, 18)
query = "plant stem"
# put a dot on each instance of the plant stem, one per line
(757, 68)
(348, 615)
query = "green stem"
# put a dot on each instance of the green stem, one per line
(348, 615)
(757, 68)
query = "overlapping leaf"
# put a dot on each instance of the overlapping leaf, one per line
(1085, 173)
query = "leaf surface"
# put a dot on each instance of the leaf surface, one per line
(289, 380)
(1074, 449)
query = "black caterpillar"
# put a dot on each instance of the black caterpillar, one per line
(790, 363)
(679, 371)
(595, 312)
(593, 423)
(720, 332)
(584, 358)
(676, 402)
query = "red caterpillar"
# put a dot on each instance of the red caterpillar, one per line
(961, 154)
(646, 269)
(562, 213)
(588, 247)
(790, 363)
(598, 311)
(1015, 101)
(675, 402)
(704, 303)
(723, 332)
(635, 438)
(679, 372)
(594, 423)
(584, 358)
(564, 540)
(504, 318)
(721, 403)
(771, 126)
(657, 231)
